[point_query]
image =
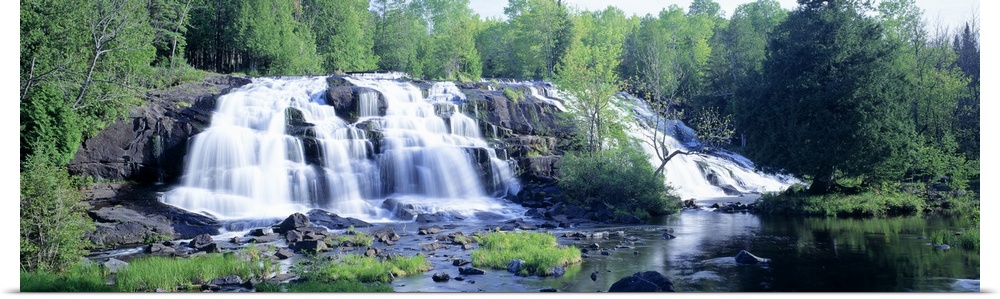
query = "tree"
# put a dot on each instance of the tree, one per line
(399, 34)
(345, 34)
(170, 20)
(589, 71)
(450, 52)
(831, 103)
(542, 33)
(53, 220)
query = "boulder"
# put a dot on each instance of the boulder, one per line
(648, 281)
(114, 265)
(399, 210)
(159, 248)
(470, 271)
(745, 257)
(227, 280)
(259, 232)
(293, 222)
(556, 271)
(135, 217)
(284, 253)
(309, 246)
(200, 241)
(293, 236)
(460, 262)
(668, 236)
(210, 248)
(515, 266)
(441, 277)
(593, 276)
(386, 235)
(428, 230)
(432, 246)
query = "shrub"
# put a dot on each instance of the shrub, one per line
(621, 179)
(53, 219)
(540, 251)
(513, 94)
(870, 203)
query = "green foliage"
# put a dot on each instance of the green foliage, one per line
(357, 268)
(871, 203)
(399, 34)
(513, 94)
(537, 38)
(344, 33)
(621, 179)
(848, 114)
(713, 129)
(359, 239)
(82, 277)
(540, 251)
(53, 219)
(155, 272)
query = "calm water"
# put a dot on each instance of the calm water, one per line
(807, 255)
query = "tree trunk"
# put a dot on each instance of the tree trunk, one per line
(822, 182)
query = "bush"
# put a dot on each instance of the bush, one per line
(621, 179)
(513, 94)
(869, 203)
(53, 219)
(540, 251)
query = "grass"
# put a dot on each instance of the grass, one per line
(359, 239)
(151, 273)
(871, 203)
(357, 268)
(513, 94)
(325, 287)
(540, 251)
(79, 278)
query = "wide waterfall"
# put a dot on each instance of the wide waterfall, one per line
(720, 174)
(276, 147)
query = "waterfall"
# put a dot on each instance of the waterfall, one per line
(275, 147)
(689, 174)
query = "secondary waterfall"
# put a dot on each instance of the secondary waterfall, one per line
(276, 147)
(691, 176)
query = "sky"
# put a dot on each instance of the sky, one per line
(951, 12)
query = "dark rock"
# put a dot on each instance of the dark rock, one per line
(399, 210)
(470, 271)
(309, 246)
(649, 281)
(265, 239)
(556, 271)
(690, 204)
(593, 276)
(441, 277)
(467, 246)
(431, 246)
(548, 290)
(541, 168)
(158, 248)
(135, 217)
(668, 236)
(605, 252)
(332, 221)
(293, 236)
(459, 278)
(942, 247)
(549, 225)
(745, 257)
(146, 145)
(259, 232)
(372, 252)
(210, 248)
(236, 240)
(200, 240)
(515, 266)
(284, 253)
(428, 230)
(715, 206)
(488, 216)
(114, 265)
(430, 218)
(460, 262)
(293, 222)
(386, 235)
(227, 280)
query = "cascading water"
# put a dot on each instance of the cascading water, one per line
(688, 174)
(275, 147)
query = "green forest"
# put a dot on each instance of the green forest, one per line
(862, 99)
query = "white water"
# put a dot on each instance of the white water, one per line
(687, 174)
(245, 165)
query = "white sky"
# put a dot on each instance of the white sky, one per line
(951, 12)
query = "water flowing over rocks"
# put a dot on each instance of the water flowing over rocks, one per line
(648, 281)
(745, 257)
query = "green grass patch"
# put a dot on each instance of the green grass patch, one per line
(79, 278)
(540, 251)
(513, 94)
(871, 203)
(339, 286)
(967, 239)
(357, 268)
(151, 273)
(357, 238)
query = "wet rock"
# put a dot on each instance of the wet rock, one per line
(200, 240)
(515, 266)
(470, 271)
(400, 210)
(459, 278)
(556, 271)
(431, 246)
(386, 235)
(745, 257)
(593, 276)
(460, 262)
(942, 247)
(210, 248)
(283, 253)
(293, 222)
(265, 239)
(467, 246)
(605, 252)
(293, 236)
(668, 236)
(488, 216)
(428, 230)
(372, 252)
(259, 232)
(159, 248)
(548, 290)
(649, 281)
(689, 204)
(430, 218)
(441, 277)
